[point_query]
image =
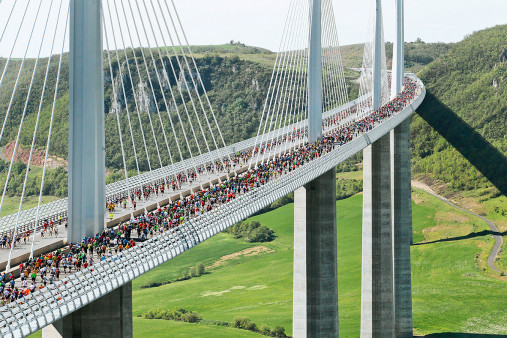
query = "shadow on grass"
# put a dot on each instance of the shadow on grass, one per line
(464, 335)
(479, 152)
(471, 235)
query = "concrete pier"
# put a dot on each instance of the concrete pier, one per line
(315, 266)
(402, 228)
(377, 299)
(108, 317)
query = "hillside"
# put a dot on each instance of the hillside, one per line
(418, 54)
(471, 81)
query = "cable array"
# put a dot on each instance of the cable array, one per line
(287, 99)
(366, 78)
(169, 94)
(38, 97)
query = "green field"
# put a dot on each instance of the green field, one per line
(451, 291)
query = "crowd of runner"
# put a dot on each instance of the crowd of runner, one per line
(46, 269)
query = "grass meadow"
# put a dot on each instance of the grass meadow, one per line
(453, 289)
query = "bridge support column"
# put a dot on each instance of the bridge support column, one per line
(377, 299)
(315, 307)
(86, 121)
(402, 228)
(401, 194)
(109, 317)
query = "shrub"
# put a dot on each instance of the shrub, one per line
(190, 317)
(197, 270)
(348, 188)
(238, 322)
(193, 272)
(279, 331)
(244, 324)
(252, 232)
(200, 269)
(180, 315)
(265, 330)
(185, 274)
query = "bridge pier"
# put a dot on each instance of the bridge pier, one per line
(402, 228)
(377, 297)
(109, 317)
(401, 194)
(315, 307)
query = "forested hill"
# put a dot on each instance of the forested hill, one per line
(471, 79)
(237, 90)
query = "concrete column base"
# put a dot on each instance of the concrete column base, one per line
(377, 299)
(315, 312)
(109, 317)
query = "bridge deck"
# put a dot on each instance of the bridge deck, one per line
(81, 288)
(21, 252)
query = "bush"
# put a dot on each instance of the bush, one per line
(238, 322)
(200, 269)
(193, 272)
(245, 324)
(252, 232)
(197, 270)
(279, 331)
(180, 315)
(242, 323)
(348, 188)
(265, 330)
(190, 317)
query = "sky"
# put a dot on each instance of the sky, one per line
(260, 22)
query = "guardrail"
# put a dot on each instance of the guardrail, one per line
(52, 303)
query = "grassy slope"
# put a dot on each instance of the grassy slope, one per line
(162, 328)
(494, 209)
(463, 80)
(451, 292)
(417, 55)
(11, 204)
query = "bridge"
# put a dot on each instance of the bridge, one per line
(196, 185)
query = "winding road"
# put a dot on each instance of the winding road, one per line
(496, 233)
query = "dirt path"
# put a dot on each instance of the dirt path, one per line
(496, 233)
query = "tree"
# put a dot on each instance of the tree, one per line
(200, 269)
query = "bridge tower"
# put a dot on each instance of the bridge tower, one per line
(87, 183)
(377, 296)
(110, 315)
(401, 194)
(315, 294)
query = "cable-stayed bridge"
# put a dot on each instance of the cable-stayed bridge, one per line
(130, 67)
